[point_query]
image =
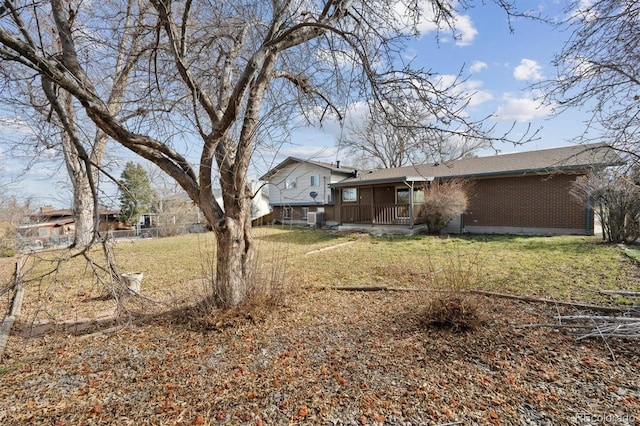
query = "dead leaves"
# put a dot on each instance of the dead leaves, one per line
(349, 357)
(303, 411)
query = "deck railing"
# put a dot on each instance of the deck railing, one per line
(377, 214)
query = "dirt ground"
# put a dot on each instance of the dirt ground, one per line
(326, 358)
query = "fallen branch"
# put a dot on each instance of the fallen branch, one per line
(606, 326)
(552, 326)
(631, 331)
(372, 288)
(595, 308)
(597, 318)
(621, 292)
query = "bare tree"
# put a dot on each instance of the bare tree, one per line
(58, 117)
(217, 75)
(389, 137)
(598, 69)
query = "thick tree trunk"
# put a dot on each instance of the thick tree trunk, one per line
(235, 259)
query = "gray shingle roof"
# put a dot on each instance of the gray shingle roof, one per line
(576, 158)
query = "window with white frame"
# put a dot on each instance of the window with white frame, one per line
(349, 194)
(402, 195)
(305, 211)
(289, 183)
(286, 212)
(315, 180)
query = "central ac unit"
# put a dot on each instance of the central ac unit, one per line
(315, 218)
(311, 218)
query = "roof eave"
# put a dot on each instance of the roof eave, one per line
(395, 179)
(401, 179)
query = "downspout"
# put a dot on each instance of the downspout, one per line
(587, 224)
(324, 189)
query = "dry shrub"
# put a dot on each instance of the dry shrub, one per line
(266, 293)
(455, 307)
(455, 311)
(268, 288)
(443, 201)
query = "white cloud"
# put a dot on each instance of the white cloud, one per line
(584, 11)
(465, 31)
(478, 66)
(468, 89)
(14, 126)
(427, 18)
(528, 70)
(522, 109)
(479, 97)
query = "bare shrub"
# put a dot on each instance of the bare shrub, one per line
(267, 290)
(454, 306)
(616, 199)
(443, 201)
(267, 286)
(455, 311)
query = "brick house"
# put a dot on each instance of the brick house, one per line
(298, 187)
(521, 193)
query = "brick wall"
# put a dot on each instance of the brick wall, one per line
(525, 201)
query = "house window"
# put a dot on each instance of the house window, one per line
(402, 196)
(315, 180)
(305, 210)
(418, 196)
(286, 213)
(289, 183)
(349, 194)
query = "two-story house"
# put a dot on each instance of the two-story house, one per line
(299, 187)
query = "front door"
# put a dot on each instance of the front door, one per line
(402, 203)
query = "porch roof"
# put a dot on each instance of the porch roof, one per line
(572, 158)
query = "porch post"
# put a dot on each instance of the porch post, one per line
(373, 209)
(411, 206)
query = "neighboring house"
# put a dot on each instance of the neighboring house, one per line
(170, 215)
(173, 214)
(522, 193)
(51, 226)
(298, 187)
(260, 208)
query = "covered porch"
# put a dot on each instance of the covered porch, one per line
(393, 204)
(380, 214)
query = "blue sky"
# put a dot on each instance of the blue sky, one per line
(499, 64)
